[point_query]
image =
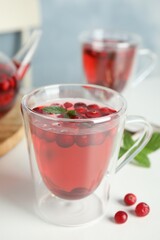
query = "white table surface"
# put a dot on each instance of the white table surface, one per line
(18, 220)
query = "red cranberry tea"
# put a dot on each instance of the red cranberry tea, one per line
(72, 156)
(74, 133)
(108, 65)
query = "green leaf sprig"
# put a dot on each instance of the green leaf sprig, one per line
(142, 159)
(60, 110)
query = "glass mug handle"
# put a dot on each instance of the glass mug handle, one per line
(144, 137)
(145, 71)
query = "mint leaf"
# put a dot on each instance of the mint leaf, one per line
(71, 113)
(122, 151)
(55, 109)
(153, 144)
(142, 160)
(60, 110)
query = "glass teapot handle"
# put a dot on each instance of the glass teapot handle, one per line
(146, 70)
(25, 54)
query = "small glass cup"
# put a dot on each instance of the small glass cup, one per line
(110, 59)
(73, 160)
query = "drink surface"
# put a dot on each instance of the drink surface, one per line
(72, 156)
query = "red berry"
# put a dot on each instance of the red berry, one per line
(60, 116)
(93, 114)
(5, 85)
(142, 209)
(120, 217)
(65, 140)
(106, 111)
(79, 104)
(130, 199)
(38, 109)
(81, 110)
(68, 105)
(93, 107)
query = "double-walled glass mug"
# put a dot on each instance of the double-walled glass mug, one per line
(74, 133)
(113, 58)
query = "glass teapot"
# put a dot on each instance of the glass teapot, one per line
(12, 72)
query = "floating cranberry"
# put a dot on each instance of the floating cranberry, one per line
(79, 104)
(65, 140)
(81, 110)
(142, 209)
(38, 109)
(120, 217)
(92, 107)
(130, 199)
(83, 140)
(93, 114)
(68, 105)
(106, 111)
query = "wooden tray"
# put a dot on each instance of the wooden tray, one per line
(11, 129)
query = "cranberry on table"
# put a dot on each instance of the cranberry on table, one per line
(120, 217)
(142, 209)
(130, 199)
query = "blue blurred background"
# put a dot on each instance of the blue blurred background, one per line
(58, 56)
